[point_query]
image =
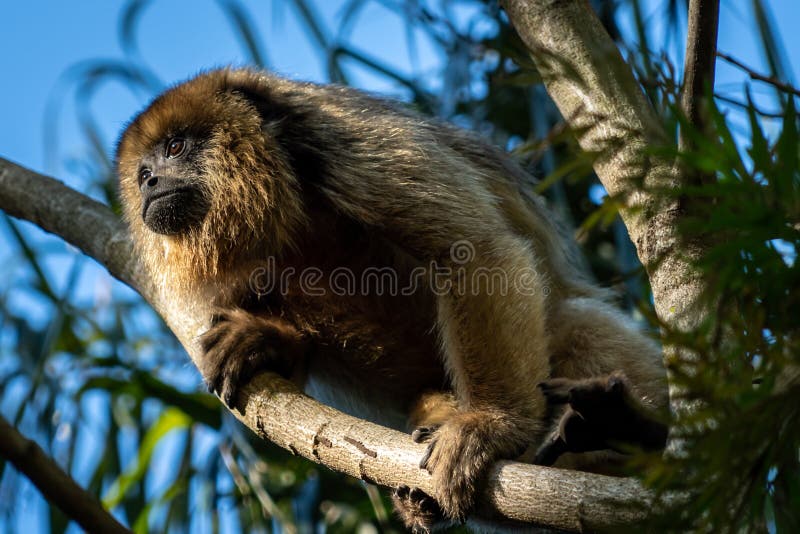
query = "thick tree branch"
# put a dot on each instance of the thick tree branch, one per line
(601, 100)
(276, 410)
(56, 485)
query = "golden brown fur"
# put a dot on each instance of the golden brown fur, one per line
(325, 177)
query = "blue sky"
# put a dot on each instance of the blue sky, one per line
(41, 39)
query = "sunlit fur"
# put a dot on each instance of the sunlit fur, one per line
(317, 175)
(255, 201)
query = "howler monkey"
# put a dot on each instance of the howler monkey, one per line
(394, 266)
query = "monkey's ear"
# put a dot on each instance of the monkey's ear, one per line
(271, 111)
(292, 124)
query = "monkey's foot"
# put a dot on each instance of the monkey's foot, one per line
(419, 511)
(239, 344)
(601, 413)
(460, 452)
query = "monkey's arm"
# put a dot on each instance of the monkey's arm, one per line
(490, 284)
(240, 343)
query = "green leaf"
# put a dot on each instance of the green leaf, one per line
(140, 525)
(770, 44)
(786, 148)
(43, 285)
(201, 407)
(759, 149)
(171, 419)
(578, 165)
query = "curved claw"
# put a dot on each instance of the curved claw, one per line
(423, 434)
(423, 463)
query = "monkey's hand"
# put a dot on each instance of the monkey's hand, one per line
(460, 452)
(239, 344)
(601, 413)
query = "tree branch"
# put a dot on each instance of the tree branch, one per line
(56, 485)
(600, 99)
(754, 75)
(276, 410)
(699, 67)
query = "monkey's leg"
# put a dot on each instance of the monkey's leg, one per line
(429, 413)
(601, 414)
(495, 349)
(592, 339)
(441, 207)
(419, 511)
(611, 384)
(240, 343)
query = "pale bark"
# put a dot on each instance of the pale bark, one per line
(276, 410)
(596, 92)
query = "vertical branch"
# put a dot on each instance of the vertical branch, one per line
(698, 71)
(601, 100)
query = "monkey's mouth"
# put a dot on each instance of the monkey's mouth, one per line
(173, 212)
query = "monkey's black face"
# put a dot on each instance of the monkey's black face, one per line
(173, 200)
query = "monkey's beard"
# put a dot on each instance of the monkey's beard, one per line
(247, 221)
(221, 252)
(193, 260)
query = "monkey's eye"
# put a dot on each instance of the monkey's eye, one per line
(175, 147)
(144, 175)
